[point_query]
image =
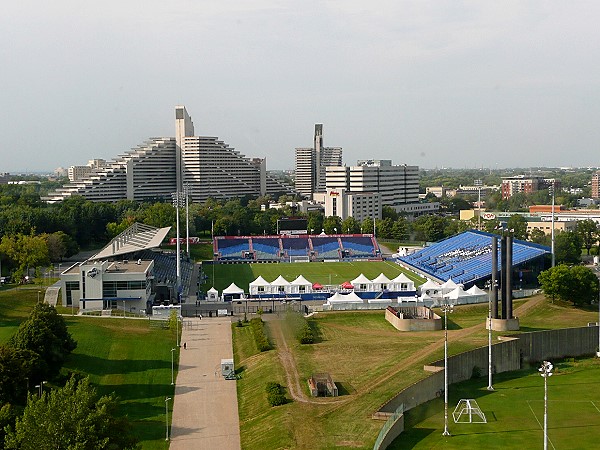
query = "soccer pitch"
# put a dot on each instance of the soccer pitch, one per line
(515, 412)
(317, 272)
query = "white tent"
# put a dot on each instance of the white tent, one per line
(281, 285)
(479, 295)
(448, 286)
(233, 289)
(430, 288)
(458, 296)
(259, 286)
(402, 283)
(300, 285)
(232, 292)
(381, 283)
(341, 298)
(212, 295)
(361, 283)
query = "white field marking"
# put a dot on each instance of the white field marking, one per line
(595, 406)
(541, 426)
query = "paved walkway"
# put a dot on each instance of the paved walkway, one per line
(205, 410)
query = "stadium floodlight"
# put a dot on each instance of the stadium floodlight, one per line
(545, 372)
(177, 197)
(446, 308)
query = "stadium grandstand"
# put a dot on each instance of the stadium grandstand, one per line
(290, 248)
(130, 272)
(467, 258)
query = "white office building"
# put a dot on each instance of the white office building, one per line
(397, 186)
(360, 205)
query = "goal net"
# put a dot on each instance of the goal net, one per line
(468, 411)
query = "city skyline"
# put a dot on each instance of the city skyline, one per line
(433, 84)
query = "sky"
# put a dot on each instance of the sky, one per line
(461, 84)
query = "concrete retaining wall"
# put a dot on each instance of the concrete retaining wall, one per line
(507, 355)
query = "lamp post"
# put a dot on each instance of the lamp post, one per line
(545, 372)
(176, 203)
(167, 417)
(490, 387)
(39, 296)
(598, 352)
(446, 308)
(552, 231)
(478, 184)
(172, 379)
(177, 330)
(186, 190)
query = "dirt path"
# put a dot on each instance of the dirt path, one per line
(293, 379)
(288, 363)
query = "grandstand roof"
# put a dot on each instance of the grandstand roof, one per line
(135, 238)
(467, 257)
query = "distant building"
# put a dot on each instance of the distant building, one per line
(596, 185)
(527, 185)
(4, 177)
(311, 164)
(360, 205)
(207, 166)
(77, 173)
(396, 185)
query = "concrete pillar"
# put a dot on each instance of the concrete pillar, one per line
(494, 281)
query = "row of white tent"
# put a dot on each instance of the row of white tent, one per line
(432, 291)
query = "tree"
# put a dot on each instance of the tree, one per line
(538, 236)
(518, 224)
(60, 245)
(18, 368)
(45, 333)
(330, 223)
(576, 284)
(350, 225)
(588, 232)
(567, 247)
(72, 417)
(430, 228)
(25, 250)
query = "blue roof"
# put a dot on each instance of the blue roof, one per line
(467, 257)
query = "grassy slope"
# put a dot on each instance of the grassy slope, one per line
(127, 357)
(363, 353)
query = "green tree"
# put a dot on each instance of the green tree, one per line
(60, 245)
(576, 284)
(401, 229)
(518, 224)
(18, 368)
(539, 237)
(367, 225)
(351, 225)
(25, 250)
(72, 417)
(430, 228)
(330, 223)
(45, 333)
(567, 247)
(588, 232)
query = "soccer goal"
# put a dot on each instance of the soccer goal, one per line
(468, 411)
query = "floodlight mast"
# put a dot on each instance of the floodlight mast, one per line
(446, 308)
(545, 372)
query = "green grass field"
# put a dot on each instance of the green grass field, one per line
(125, 356)
(370, 362)
(323, 273)
(515, 412)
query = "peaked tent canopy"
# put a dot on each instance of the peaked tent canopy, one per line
(381, 278)
(301, 281)
(280, 281)
(347, 285)
(361, 279)
(402, 278)
(476, 291)
(260, 281)
(233, 289)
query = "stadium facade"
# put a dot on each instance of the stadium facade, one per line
(162, 165)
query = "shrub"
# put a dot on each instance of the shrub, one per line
(260, 337)
(476, 372)
(306, 335)
(275, 394)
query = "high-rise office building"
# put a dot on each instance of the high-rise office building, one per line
(208, 167)
(596, 185)
(311, 164)
(397, 186)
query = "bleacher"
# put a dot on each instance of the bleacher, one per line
(232, 248)
(359, 247)
(266, 248)
(326, 247)
(295, 246)
(467, 257)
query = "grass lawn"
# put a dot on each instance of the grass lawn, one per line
(323, 273)
(370, 362)
(125, 356)
(515, 412)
